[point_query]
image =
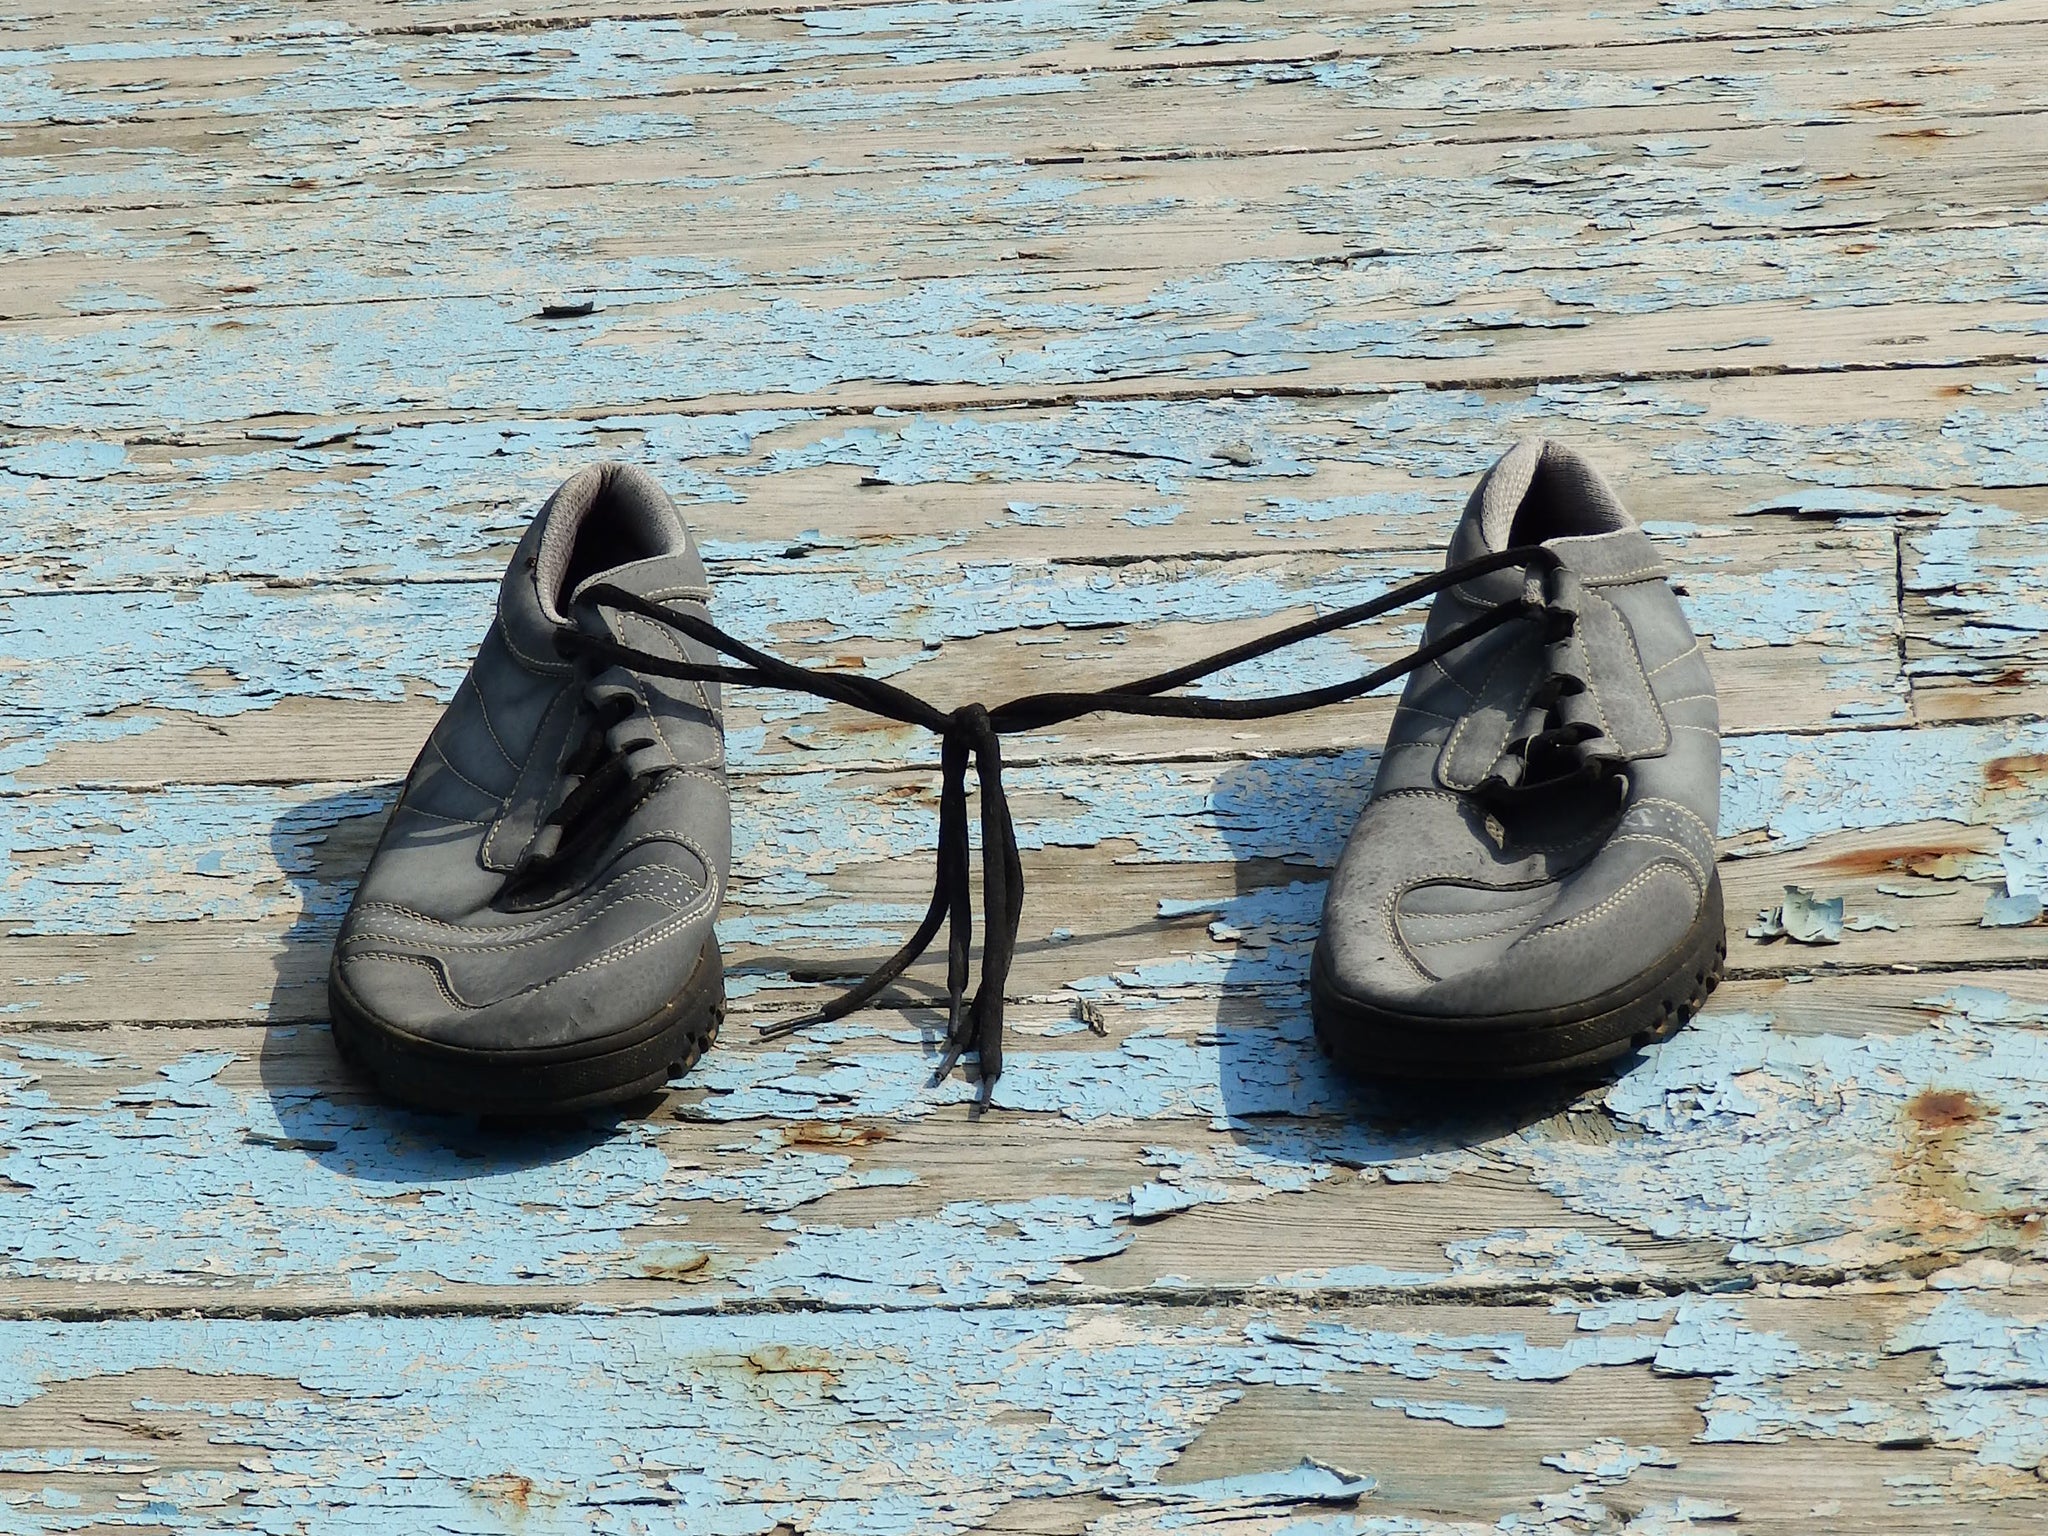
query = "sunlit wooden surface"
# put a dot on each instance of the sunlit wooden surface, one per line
(991, 346)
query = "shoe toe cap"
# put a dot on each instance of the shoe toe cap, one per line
(1466, 933)
(564, 980)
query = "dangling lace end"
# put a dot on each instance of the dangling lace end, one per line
(775, 1029)
(846, 1003)
(956, 1056)
(980, 1030)
(958, 1044)
(988, 1045)
(957, 1039)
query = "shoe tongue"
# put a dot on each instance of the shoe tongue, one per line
(1539, 491)
(605, 510)
(606, 518)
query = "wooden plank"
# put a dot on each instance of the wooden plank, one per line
(1133, 273)
(1797, 647)
(1975, 618)
(1156, 476)
(60, 24)
(318, 1190)
(162, 70)
(1145, 877)
(1797, 1134)
(1380, 477)
(1491, 316)
(1094, 930)
(665, 107)
(1776, 1408)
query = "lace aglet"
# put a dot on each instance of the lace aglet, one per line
(956, 1032)
(774, 1029)
(947, 1063)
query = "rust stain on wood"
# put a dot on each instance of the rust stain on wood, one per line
(2018, 771)
(1943, 1109)
(1932, 858)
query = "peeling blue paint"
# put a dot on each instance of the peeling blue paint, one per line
(1979, 569)
(719, 1425)
(182, 853)
(102, 862)
(439, 500)
(1306, 1482)
(1742, 1141)
(1460, 1415)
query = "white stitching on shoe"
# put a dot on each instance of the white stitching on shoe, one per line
(1473, 938)
(432, 969)
(546, 668)
(1592, 683)
(1547, 896)
(1593, 914)
(670, 835)
(483, 711)
(1469, 938)
(1691, 859)
(459, 821)
(660, 876)
(1396, 942)
(1399, 944)
(1689, 651)
(1417, 709)
(671, 645)
(1684, 810)
(646, 941)
(490, 851)
(442, 753)
(1508, 653)
(1419, 789)
(1518, 849)
(1623, 578)
(1446, 676)
(659, 898)
(1628, 633)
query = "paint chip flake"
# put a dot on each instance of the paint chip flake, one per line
(1308, 1481)
(1803, 917)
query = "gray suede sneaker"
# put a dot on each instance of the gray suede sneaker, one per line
(533, 934)
(1531, 886)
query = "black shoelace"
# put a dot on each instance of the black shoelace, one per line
(975, 731)
(617, 763)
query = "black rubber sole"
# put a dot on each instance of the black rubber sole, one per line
(1372, 1042)
(427, 1074)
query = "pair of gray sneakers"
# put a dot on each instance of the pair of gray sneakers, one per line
(1531, 886)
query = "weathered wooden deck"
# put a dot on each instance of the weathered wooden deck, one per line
(993, 343)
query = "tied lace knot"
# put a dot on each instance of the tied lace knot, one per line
(972, 734)
(969, 734)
